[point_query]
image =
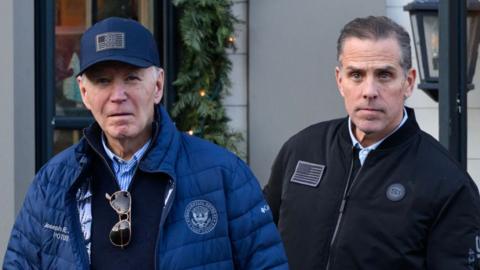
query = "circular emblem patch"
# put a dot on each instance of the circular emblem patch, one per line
(395, 192)
(201, 216)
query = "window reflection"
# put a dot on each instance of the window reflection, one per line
(71, 22)
(118, 8)
(63, 138)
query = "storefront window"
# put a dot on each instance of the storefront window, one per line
(71, 22)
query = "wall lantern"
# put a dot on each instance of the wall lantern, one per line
(424, 21)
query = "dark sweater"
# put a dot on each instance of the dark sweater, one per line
(147, 193)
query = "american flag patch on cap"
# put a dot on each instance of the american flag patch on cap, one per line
(307, 173)
(110, 40)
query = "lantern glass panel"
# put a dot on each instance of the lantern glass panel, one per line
(432, 45)
(418, 46)
(473, 30)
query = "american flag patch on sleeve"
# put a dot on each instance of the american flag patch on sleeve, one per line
(307, 173)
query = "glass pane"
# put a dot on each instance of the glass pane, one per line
(118, 8)
(139, 10)
(418, 46)
(70, 23)
(473, 28)
(63, 138)
(432, 43)
(72, 18)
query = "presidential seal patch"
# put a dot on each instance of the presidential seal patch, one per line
(201, 216)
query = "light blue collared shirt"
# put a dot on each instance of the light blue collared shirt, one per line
(364, 151)
(125, 169)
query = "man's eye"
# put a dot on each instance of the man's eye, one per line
(385, 75)
(102, 80)
(355, 75)
(133, 78)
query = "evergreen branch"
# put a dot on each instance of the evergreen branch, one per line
(205, 27)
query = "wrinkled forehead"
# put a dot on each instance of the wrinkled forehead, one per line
(370, 52)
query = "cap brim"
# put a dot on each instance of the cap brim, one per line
(134, 61)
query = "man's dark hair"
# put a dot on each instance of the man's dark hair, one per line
(375, 28)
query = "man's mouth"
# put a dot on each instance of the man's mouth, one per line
(119, 114)
(369, 109)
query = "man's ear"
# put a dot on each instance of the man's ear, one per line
(410, 82)
(338, 79)
(158, 94)
(83, 90)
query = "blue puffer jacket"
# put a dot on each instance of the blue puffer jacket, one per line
(238, 234)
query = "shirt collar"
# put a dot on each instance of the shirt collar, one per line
(137, 156)
(374, 146)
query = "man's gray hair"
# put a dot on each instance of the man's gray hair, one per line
(375, 28)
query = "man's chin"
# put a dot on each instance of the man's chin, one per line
(118, 135)
(368, 128)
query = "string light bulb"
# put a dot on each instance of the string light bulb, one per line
(190, 132)
(231, 40)
(202, 92)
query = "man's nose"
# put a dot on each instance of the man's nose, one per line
(370, 89)
(118, 92)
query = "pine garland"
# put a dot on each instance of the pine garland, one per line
(206, 28)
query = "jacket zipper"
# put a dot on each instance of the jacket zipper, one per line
(169, 197)
(341, 210)
(105, 161)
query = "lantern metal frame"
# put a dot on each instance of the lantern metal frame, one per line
(421, 9)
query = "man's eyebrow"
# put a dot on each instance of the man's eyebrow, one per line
(381, 68)
(93, 74)
(136, 72)
(386, 68)
(353, 68)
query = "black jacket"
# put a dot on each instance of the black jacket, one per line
(410, 206)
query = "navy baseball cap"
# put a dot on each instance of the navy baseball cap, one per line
(118, 39)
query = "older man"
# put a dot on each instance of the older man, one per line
(135, 193)
(373, 191)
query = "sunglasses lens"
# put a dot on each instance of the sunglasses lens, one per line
(120, 233)
(121, 201)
